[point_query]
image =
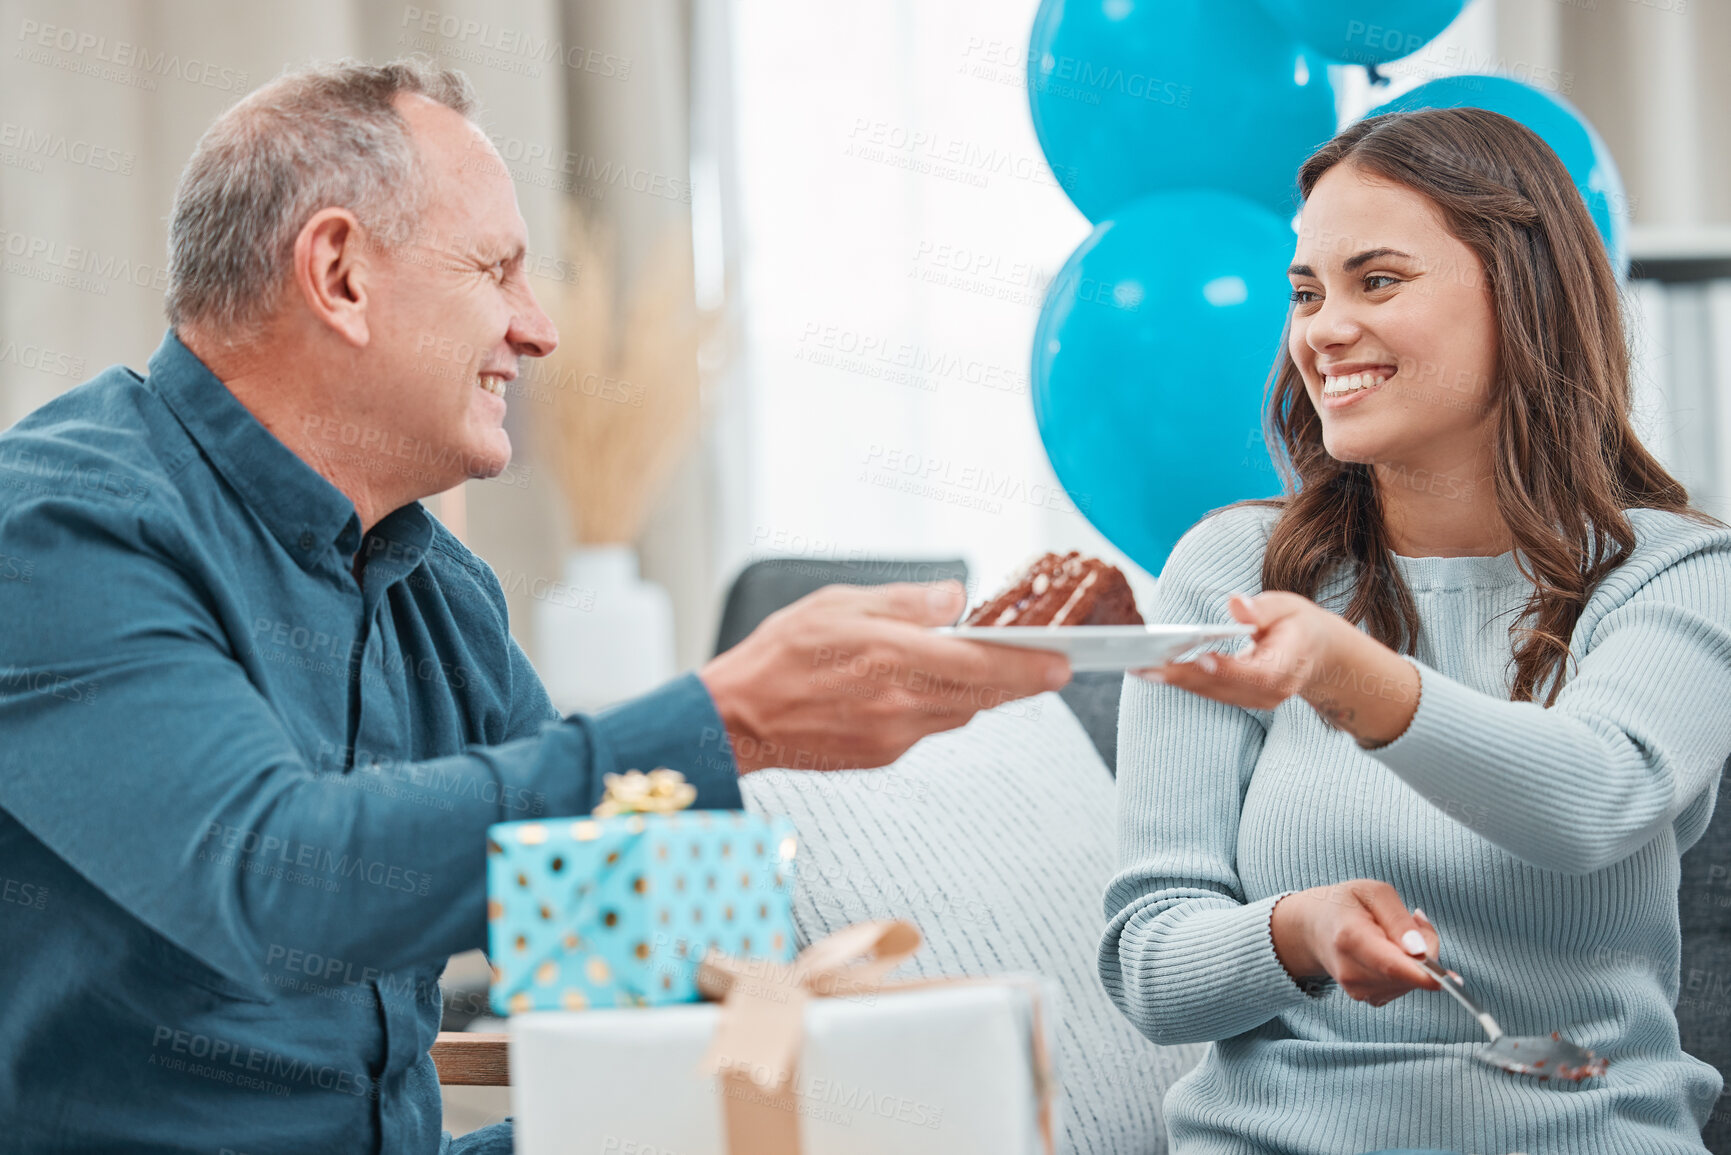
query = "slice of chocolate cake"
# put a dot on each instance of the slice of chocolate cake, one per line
(1062, 590)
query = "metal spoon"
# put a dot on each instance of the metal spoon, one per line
(1524, 1054)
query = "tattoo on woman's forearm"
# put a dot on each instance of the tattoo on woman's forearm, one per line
(1337, 716)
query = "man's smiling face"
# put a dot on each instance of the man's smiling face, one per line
(454, 311)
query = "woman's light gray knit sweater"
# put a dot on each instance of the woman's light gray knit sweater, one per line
(1543, 843)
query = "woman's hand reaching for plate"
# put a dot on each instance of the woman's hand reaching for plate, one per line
(1354, 682)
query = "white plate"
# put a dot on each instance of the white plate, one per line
(1103, 647)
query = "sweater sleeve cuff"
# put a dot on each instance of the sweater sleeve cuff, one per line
(1226, 976)
(1418, 674)
(1311, 987)
(1431, 740)
(676, 726)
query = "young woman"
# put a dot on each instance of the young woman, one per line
(1483, 711)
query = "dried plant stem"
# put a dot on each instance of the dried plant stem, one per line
(625, 387)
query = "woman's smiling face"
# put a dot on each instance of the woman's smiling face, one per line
(1393, 327)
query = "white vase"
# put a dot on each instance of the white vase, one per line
(604, 634)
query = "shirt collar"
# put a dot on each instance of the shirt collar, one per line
(303, 511)
(395, 546)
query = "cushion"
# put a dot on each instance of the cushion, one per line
(1704, 998)
(997, 840)
(1093, 698)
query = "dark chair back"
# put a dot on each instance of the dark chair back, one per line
(766, 586)
(1093, 698)
(1704, 1004)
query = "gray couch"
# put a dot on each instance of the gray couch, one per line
(1704, 1011)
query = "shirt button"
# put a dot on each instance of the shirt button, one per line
(306, 541)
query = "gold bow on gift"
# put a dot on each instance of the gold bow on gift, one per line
(660, 791)
(762, 1023)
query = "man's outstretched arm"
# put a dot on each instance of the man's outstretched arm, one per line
(137, 749)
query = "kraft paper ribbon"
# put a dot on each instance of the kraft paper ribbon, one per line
(762, 1024)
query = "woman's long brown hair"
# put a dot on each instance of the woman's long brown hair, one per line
(1567, 461)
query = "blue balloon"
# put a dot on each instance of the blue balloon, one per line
(1580, 149)
(1150, 361)
(1132, 97)
(1364, 31)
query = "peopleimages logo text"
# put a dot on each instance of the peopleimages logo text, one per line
(294, 853)
(122, 54)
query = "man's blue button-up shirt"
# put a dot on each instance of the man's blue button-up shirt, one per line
(244, 795)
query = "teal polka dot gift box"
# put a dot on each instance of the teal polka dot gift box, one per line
(618, 909)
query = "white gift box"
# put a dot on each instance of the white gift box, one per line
(948, 1069)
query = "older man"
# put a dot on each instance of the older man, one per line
(257, 708)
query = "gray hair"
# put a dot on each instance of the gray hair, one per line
(321, 137)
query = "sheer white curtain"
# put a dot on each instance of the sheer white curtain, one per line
(896, 228)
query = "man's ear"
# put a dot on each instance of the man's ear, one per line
(332, 270)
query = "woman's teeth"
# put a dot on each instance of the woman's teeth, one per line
(492, 384)
(1337, 386)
